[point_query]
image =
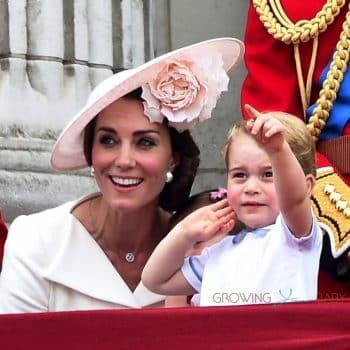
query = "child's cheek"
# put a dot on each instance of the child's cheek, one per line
(232, 197)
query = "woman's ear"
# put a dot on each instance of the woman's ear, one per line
(174, 161)
(310, 182)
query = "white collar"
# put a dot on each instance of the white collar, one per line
(80, 264)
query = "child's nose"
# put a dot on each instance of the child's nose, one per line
(252, 185)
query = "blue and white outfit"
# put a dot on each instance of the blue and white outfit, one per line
(267, 265)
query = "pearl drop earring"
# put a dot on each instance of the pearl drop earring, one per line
(92, 171)
(169, 177)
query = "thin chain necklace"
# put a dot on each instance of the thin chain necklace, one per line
(126, 256)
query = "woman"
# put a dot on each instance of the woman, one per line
(89, 254)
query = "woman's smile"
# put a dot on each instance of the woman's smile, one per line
(126, 181)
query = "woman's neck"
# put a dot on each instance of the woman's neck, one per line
(134, 231)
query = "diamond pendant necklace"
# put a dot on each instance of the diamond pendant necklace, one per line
(125, 256)
(129, 257)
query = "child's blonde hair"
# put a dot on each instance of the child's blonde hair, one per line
(296, 134)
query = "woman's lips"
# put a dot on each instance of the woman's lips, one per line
(126, 181)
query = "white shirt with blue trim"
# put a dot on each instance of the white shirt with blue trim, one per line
(267, 265)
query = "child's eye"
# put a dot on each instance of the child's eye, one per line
(239, 175)
(146, 142)
(268, 174)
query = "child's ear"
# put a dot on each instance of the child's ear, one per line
(310, 181)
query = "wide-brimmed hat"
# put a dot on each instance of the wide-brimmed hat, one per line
(202, 60)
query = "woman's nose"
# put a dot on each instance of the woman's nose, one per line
(125, 157)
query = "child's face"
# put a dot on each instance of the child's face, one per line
(251, 191)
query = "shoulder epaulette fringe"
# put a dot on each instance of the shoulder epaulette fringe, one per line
(331, 204)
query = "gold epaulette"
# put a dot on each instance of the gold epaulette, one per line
(331, 204)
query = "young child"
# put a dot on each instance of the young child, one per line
(195, 202)
(271, 172)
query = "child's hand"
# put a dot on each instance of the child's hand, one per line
(266, 129)
(207, 222)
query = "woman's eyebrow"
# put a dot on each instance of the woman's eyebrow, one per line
(107, 129)
(147, 131)
(136, 133)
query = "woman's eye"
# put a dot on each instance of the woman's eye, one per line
(146, 142)
(107, 140)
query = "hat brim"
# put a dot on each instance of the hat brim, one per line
(68, 152)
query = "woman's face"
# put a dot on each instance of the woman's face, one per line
(130, 155)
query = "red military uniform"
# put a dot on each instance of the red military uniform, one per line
(3, 235)
(272, 84)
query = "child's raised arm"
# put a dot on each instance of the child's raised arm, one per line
(162, 273)
(293, 187)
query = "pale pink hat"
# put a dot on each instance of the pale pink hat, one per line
(68, 152)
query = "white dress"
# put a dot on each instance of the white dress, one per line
(51, 263)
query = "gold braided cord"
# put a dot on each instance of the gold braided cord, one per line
(332, 83)
(277, 23)
(281, 28)
(305, 91)
(282, 17)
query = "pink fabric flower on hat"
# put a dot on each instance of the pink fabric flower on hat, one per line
(185, 90)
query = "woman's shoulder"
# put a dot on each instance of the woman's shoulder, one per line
(50, 216)
(36, 239)
(42, 229)
(45, 217)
